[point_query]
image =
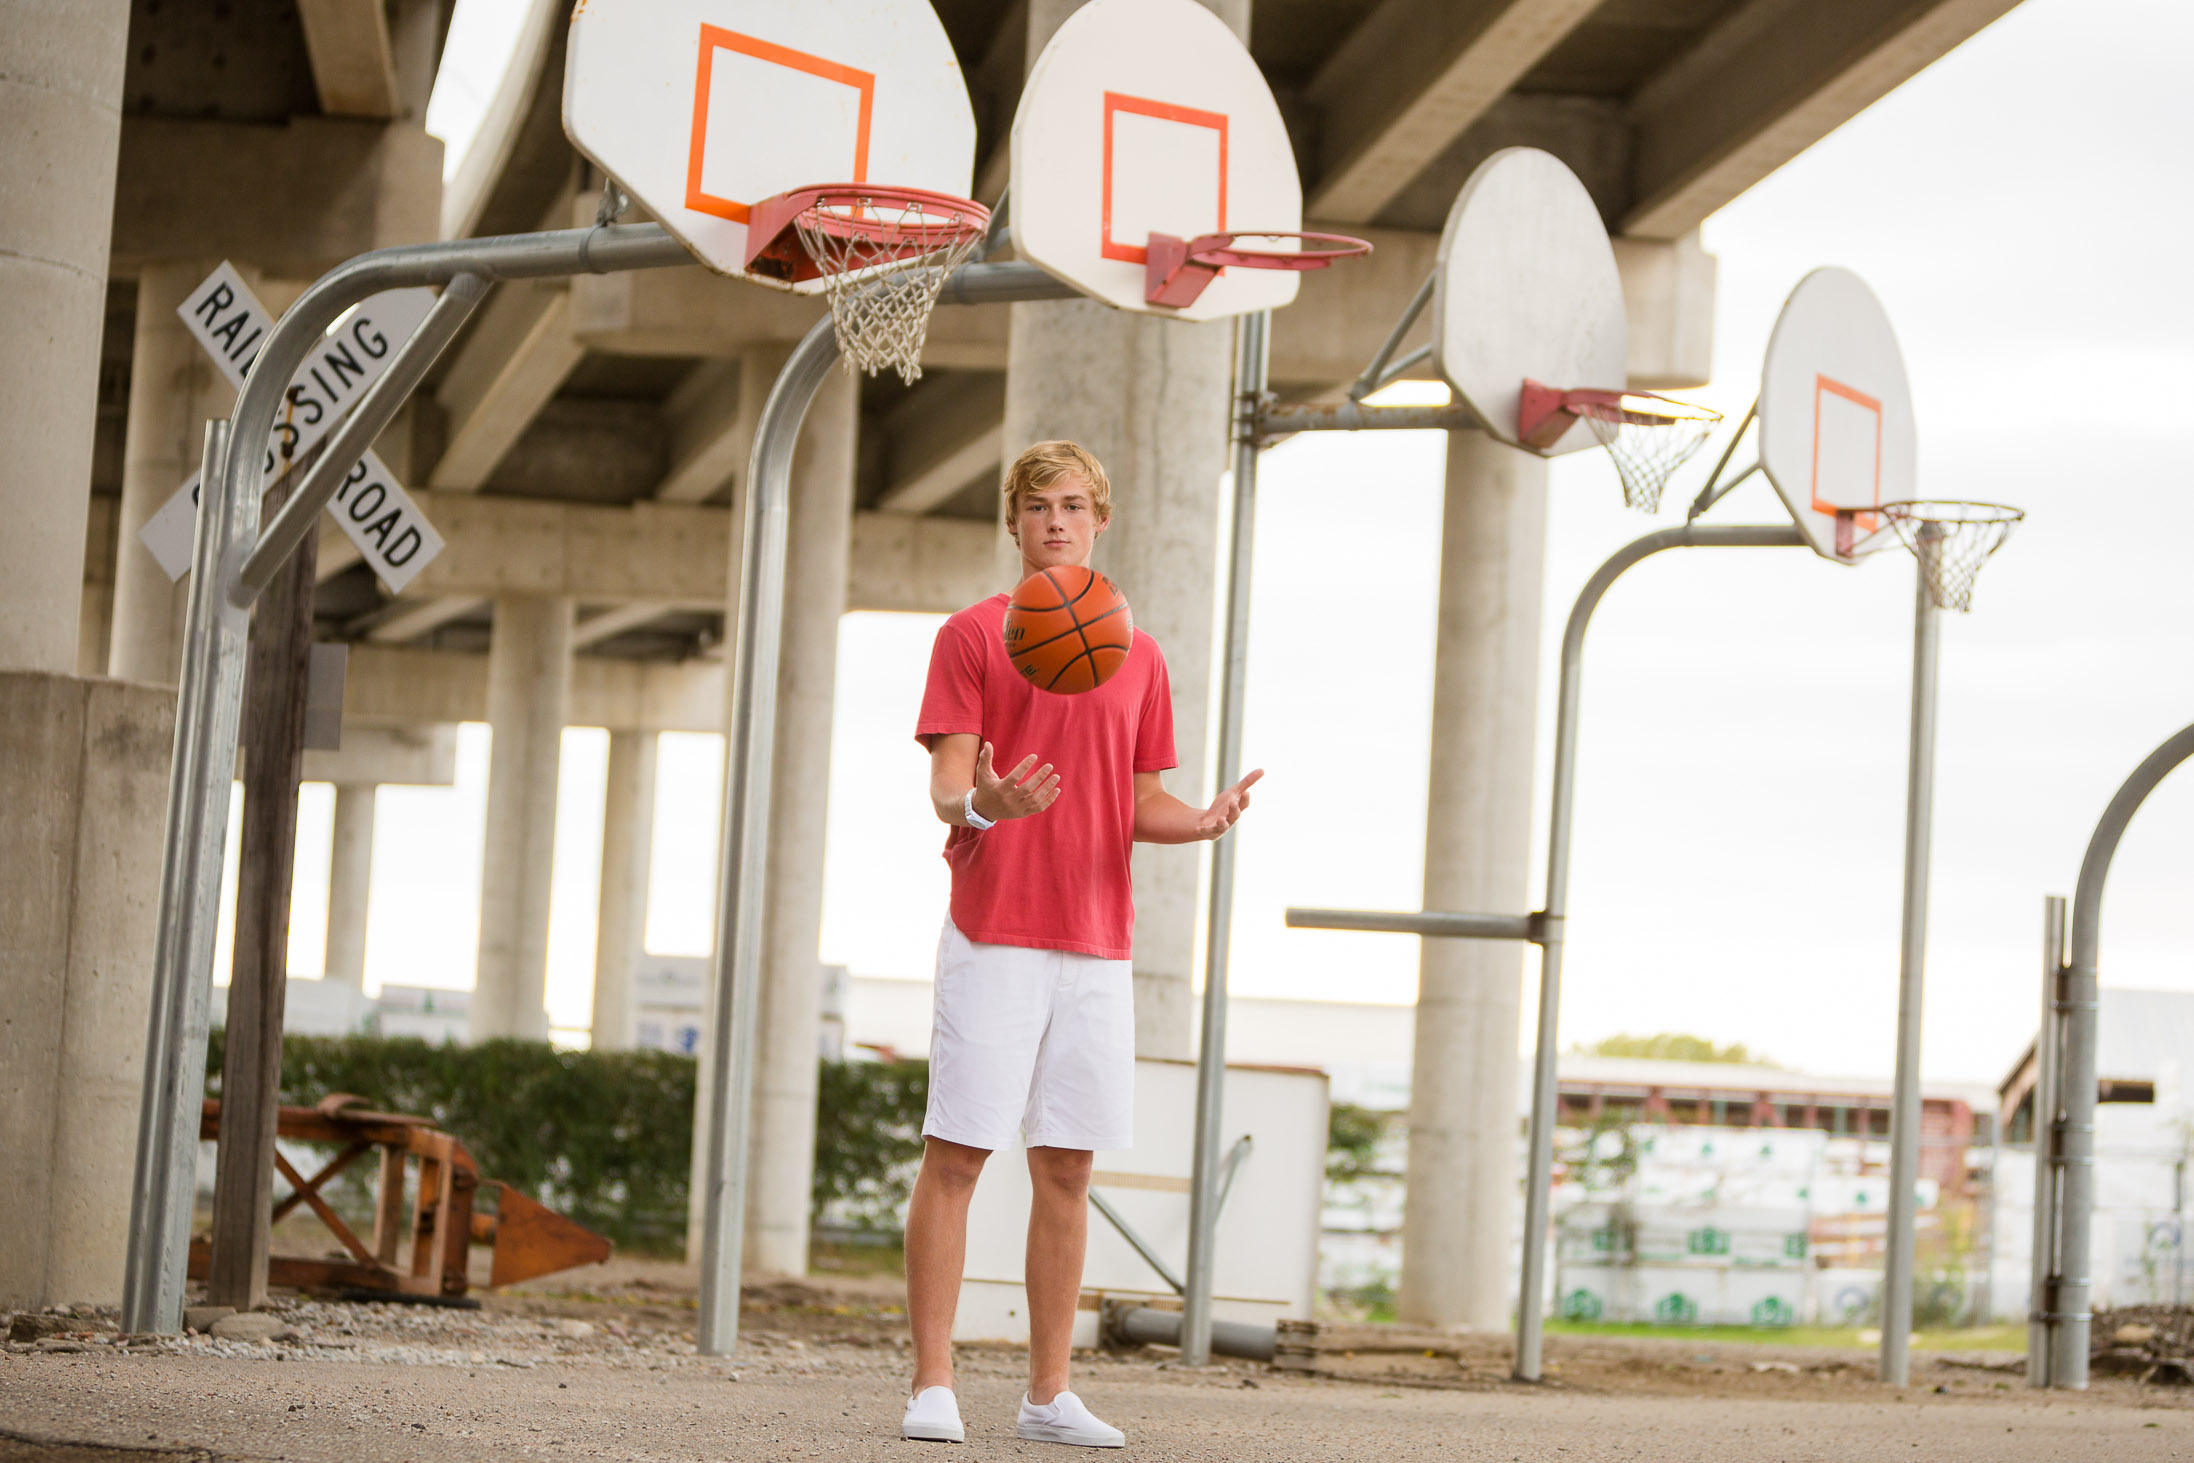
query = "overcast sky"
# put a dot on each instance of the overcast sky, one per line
(2022, 209)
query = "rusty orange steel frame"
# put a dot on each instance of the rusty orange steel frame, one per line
(528, 1239)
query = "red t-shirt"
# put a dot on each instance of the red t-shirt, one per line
(1057, 880)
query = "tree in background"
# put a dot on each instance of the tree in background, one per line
(1672, 1046)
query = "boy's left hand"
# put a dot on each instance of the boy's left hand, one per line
(1227, 807)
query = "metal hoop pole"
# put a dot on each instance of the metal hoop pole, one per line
(751, 744)
(2070, 1322)
(1538, 1184)
(209, 704)
(1252, 338)
(1904, 1116)
(2048, 1144)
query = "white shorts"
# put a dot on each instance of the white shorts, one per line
(1039, 1041)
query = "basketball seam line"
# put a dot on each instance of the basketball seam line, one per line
(1064, 602)
(1089, 655)
(1054, 640)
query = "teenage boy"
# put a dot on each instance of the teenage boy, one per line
(1034, 1026)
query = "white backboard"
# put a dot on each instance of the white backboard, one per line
(702, 108)
(1526, 288)
(1142, 117)
(1836, 425)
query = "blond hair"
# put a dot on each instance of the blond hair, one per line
(1044, 464)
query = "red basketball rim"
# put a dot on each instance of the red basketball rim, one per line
(837, 209)
(1220, 250)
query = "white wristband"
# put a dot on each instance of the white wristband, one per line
(975, 820)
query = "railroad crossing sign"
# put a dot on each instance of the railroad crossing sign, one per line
(371, 507)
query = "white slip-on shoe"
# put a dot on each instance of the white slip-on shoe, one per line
(933, 1416)
(1065, 1420)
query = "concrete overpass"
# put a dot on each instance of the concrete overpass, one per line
(582, 446)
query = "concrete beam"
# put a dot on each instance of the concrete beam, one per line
(1410, 79)
(417, 755)
(299, 198)
(390, 685)
(1767, 83)
(713, 415)
(920, 565)
(666, 556)
(512, 362)
(353, 66)
(942, 436)
(669, 552)
(412, 754)
(424, 617)
(610, 623)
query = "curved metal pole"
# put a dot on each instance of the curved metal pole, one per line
(1252, 346)
(751, 737)
(1539, 1180)
(751, 744)
(2076, 1190)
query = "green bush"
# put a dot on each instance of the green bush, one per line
(605, 1137)
(868, 1141)
(1352, 1141)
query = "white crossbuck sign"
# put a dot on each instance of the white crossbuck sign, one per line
(371, 506)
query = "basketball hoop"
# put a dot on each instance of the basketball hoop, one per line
(1176, 270)
(1952, 541)
(1649, 436)
(882, 254)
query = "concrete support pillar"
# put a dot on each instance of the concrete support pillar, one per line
(350, 883)
(529, 691)
(782, 1160)
(174, 391)
(60, 96)
(1463, 1118)
(83, 763)
(628, 832)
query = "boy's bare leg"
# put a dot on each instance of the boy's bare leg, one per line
(1058, 1232)
(937, 1253)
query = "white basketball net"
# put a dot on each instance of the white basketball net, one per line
(1952, 541)
(883, 262)
(1649, 447)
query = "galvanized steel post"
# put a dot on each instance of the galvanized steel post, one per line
(1538, 1183)
(1252, 340)
(1904, 1114)
(209, 703)
(2048, 1145)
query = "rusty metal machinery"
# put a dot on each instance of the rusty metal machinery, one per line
(528, 1238)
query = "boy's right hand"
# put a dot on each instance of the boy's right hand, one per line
(1026, 790)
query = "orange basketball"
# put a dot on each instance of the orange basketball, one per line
(1068, 630)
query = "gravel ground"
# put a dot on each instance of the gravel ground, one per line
(609, 1372)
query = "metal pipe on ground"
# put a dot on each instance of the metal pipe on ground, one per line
(1146, 1326)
